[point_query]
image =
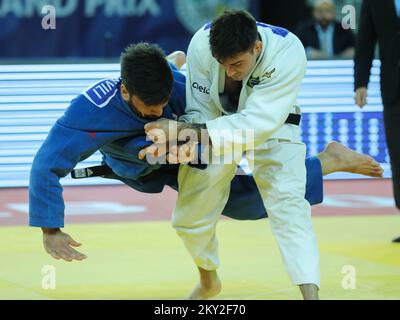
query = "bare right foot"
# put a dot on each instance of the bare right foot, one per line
(178, 58)
(338, 158)
(209, 286)
(309, 291)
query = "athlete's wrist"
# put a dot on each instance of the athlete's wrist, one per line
(50, 230)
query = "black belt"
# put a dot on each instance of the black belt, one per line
(293, 119)
(97, 171)
(101, 171)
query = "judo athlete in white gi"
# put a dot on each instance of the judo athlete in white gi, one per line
(243, 75)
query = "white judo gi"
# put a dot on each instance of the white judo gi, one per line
(267, 97)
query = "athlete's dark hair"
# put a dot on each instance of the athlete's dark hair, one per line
(146, 73)
(233, 32)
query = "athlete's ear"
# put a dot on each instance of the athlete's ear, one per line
(258, 47)
(125, 93)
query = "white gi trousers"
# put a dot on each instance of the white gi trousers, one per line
(280, 175)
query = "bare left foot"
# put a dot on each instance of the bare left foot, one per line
(338, 158)
(202, 292)
(209, 286)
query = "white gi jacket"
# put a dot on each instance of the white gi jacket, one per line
(267, 97)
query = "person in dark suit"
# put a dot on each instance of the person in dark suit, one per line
(324, 37)
(380, 22)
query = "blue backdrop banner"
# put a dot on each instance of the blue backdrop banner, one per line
(102, 28)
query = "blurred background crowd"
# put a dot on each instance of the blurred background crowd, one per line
(100, 29)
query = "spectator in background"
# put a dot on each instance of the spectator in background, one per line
(380, 23)
(276, 12)
(324, 37)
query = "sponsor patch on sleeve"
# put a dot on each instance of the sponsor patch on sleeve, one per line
(102, 92)
(201, 89)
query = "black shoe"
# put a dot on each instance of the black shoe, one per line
(397, 240)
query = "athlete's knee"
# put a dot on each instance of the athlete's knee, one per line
(288, 209)
(188, 223)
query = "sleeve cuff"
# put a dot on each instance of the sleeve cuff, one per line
(42, 223)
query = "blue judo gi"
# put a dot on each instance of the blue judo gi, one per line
(99, 119)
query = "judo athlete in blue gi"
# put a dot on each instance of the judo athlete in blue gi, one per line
(110, 117)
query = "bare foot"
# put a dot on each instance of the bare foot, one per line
(209, 286)
(178, 58)
(309, 291)
(203, 293)
(338, 158)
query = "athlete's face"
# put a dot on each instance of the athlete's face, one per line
(239, 66)
(140, 108)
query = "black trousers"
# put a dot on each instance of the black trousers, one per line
(391, 114)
